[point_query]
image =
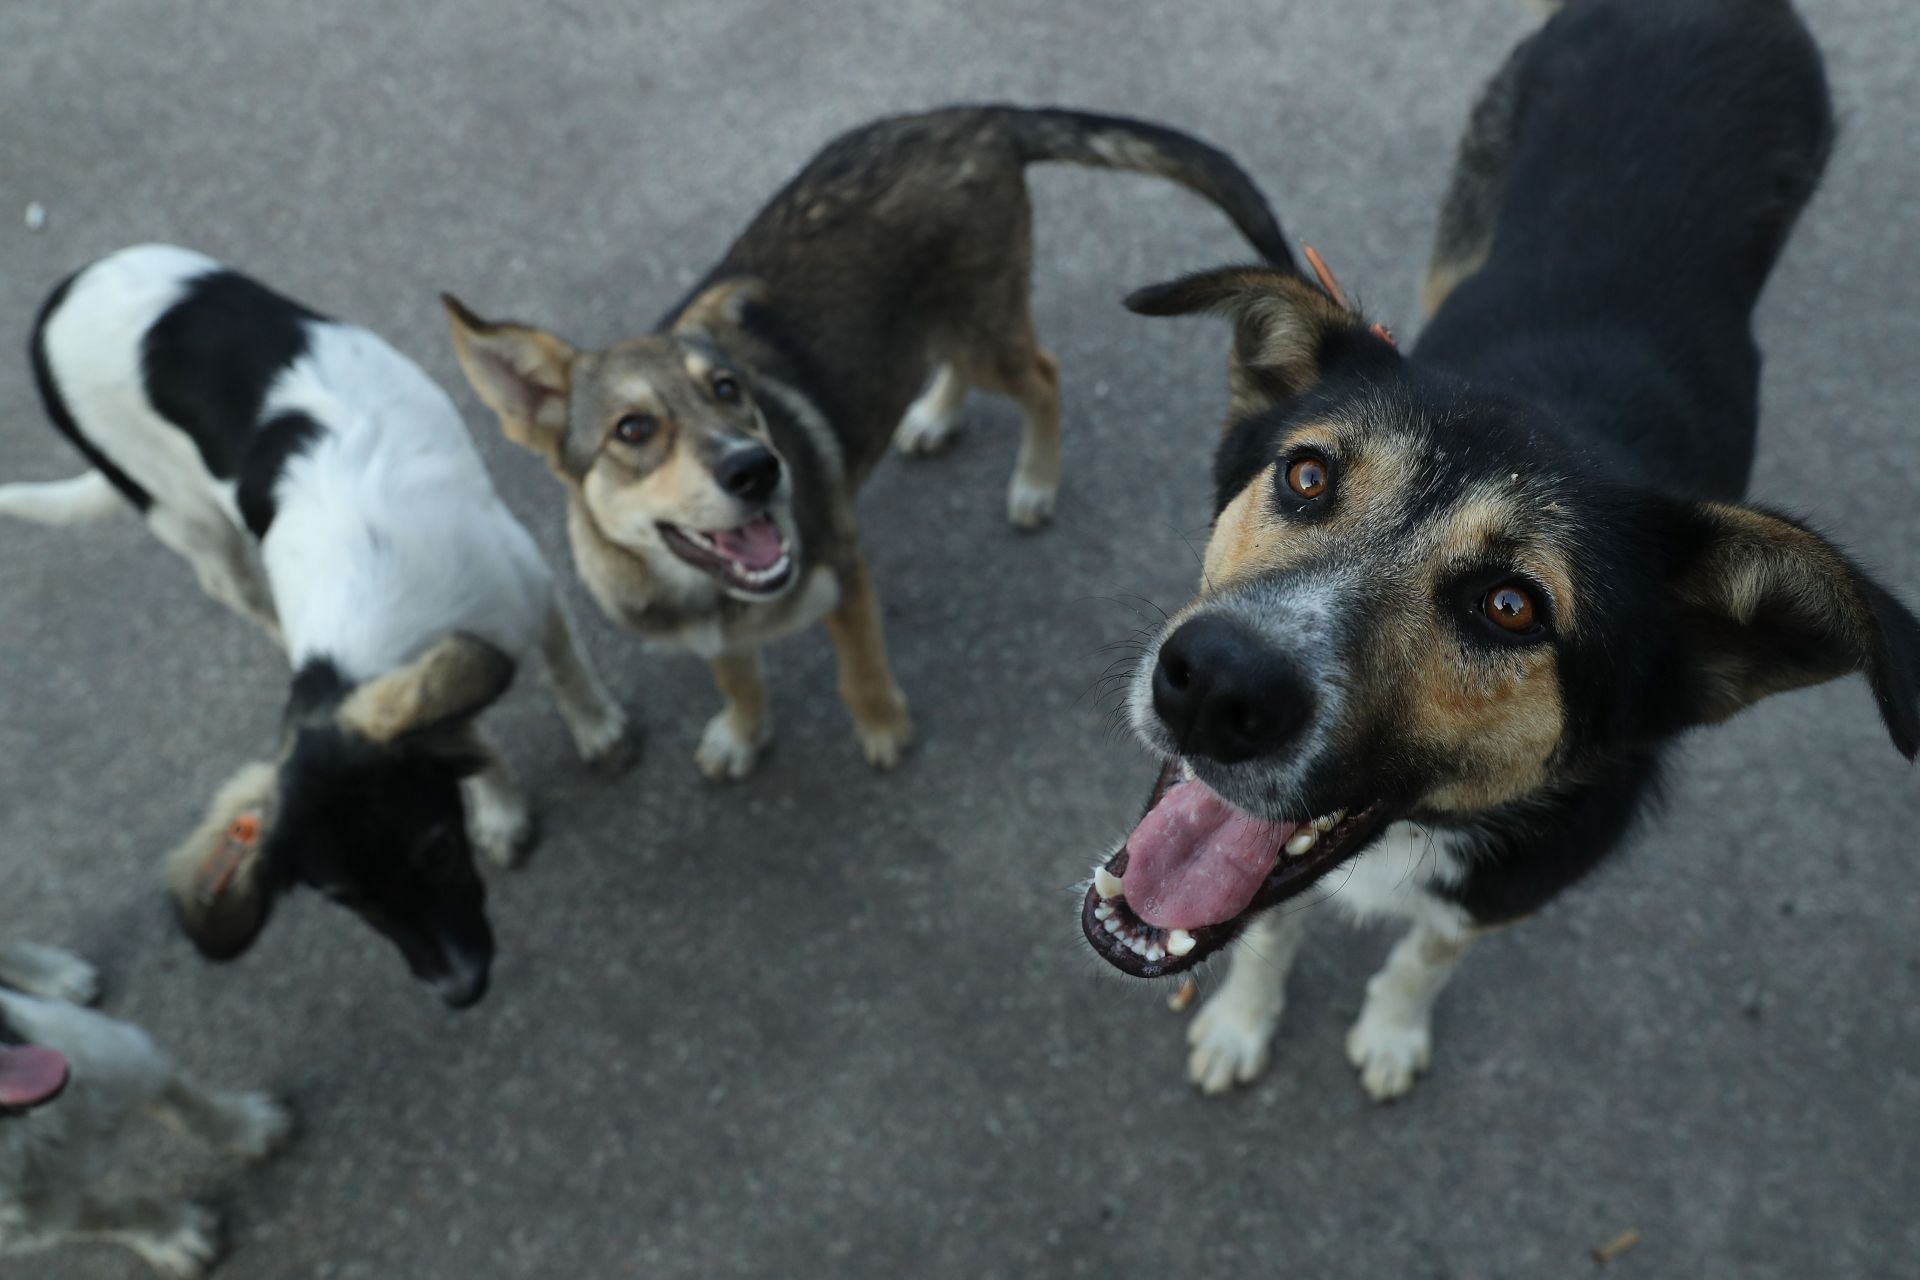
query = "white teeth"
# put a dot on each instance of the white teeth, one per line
(1186, 772)
(1137, 945)
(1179, 942)
(1107, 883)
(1301, 842)
(1102, 911)
(1155, 952)
(1324, 823)
(1113, 924)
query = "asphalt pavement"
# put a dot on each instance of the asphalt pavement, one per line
(832, 1023)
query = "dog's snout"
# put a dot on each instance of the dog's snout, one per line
(1224, 693)
(750, 475)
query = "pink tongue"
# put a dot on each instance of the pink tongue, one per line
(1196, 860)
(754, 545)
(29, 1075)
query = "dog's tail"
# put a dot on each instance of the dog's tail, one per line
(84, 499)
(1117, 142)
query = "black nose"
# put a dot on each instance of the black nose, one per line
(750, 475)
(1225, 694)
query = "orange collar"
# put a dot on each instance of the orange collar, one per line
(1339, 295)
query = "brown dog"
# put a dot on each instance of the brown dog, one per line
(710, 467)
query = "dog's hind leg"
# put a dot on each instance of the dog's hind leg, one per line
(177, 1239)
(85, 499)
(1472, 202)
(731, 744)
(866, 681)
(599, 727)
(221, 561)
(1232, 1035)
(1393, 1040)
(48, 972)
(1021, 370)
(251, 1125)
(931, 420)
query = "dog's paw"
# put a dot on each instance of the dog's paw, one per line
(1231, 1042)
(186, 1251)
(262, 1125)
(53, 974)
(884, 735)
(924, 430)
(1030, 505)
(609, 746)
(503, 832)
(1388, 1052)
(725, 754)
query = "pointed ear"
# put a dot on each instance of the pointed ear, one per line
(220, 893)
(520, 373)
(1763, 604)
(1286, 331)
(449, 683)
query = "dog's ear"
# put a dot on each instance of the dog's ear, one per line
(1762, 604)
(1286, 331)
(448, 684)
(521, 373)
(221, 892)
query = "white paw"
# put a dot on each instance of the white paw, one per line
(924, 431)
(1231, 1042)
(503, 832)
(263, 1124)
(883, 743)
(1030, 505)
(186, 1251)
(54, 974)
(725, 754)
(1388, 1052)
(608, 745)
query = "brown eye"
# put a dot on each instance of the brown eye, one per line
(725, 389)
(1307, 477)
(636, 428)
(1511, 609)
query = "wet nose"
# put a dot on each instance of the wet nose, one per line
(1226, 694)
(750, 474)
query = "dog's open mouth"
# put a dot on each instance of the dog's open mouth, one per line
(752, 558)
(30, 1076)
(1196, 867)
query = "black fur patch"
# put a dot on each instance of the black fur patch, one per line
(56, 404)
(280, 438)
(210, 360)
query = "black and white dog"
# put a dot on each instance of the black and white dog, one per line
(69, 1080)
(1457, 601)
(321, 484)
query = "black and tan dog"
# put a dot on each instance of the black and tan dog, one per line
(1457, 600)
(711, 466)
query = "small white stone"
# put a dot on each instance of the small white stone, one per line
(36, 216)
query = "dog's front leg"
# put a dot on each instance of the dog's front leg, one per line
(1232, 1034)
(866, 681)
(731, 744)
(499, 818)
(1393, 1040)
(249, 1125)
(176, 1238)
(598, 726)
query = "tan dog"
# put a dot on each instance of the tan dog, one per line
(710, 467)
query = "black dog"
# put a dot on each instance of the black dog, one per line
(1457, 600)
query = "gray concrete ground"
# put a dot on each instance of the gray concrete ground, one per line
(830, 1023)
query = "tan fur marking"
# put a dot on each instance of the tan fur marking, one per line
(456, 678)
(1497, 725)
(720, 305)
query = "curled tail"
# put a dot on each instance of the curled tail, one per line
(1117, 142)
